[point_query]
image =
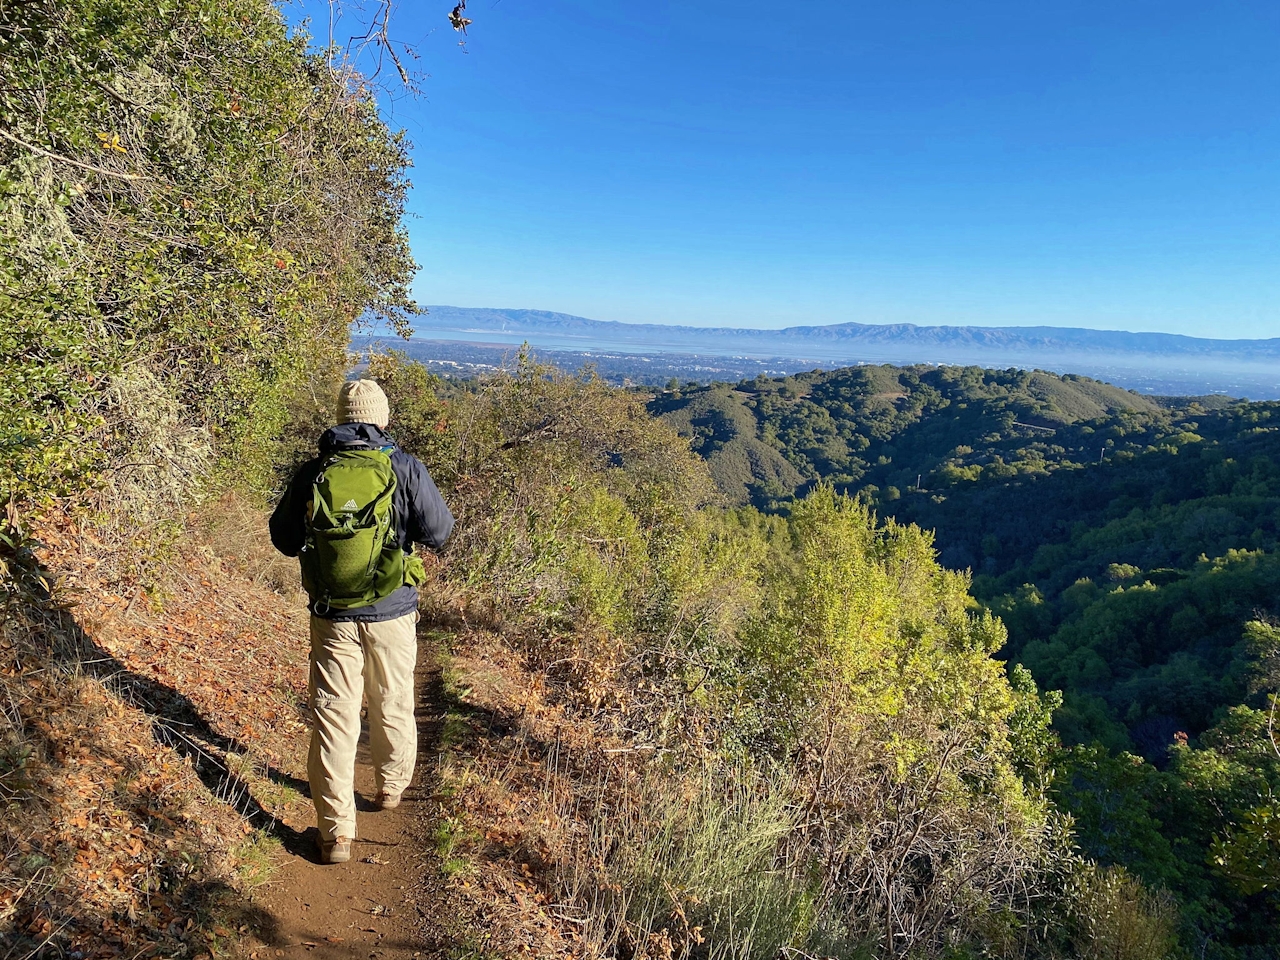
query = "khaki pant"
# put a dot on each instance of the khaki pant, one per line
(349, 660)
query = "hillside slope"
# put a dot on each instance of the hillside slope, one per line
(725, 433)
(874, 428)
(1048, 482)
(1132, 549)
(157, 747)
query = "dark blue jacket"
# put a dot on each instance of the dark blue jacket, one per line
(420, 513)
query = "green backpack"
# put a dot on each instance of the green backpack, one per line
(351, 558)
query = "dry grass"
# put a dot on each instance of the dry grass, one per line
(1118, 919)
(576, 843)
(235, 529)
(139, 761)
(686, 862)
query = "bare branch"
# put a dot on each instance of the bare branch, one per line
(75, 163)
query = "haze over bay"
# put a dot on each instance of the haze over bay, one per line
(1149, 362)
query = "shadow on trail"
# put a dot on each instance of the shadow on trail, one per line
(43, 637)
(177, 723)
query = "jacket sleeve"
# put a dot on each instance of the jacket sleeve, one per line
(288, 522)
(429, 519)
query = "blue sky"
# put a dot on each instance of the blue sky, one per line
(1095, 164)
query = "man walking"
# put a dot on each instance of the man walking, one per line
(352, 516)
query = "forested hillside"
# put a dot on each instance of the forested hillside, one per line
(1059, 493)
(883, 431)
(1128, 544)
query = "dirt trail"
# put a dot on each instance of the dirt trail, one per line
(386, 901)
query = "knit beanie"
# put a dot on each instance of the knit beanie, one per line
(362, 401)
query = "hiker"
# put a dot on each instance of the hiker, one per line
(352, 516)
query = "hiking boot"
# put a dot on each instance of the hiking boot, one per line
(388, 801)
(337, 851)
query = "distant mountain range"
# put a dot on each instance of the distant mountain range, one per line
(1249, 368)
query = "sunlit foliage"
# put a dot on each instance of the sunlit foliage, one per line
(193, 210)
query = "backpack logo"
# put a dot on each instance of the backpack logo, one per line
(351, 505)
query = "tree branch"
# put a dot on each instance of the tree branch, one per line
(75, 163)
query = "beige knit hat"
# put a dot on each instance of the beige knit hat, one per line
(362, 401)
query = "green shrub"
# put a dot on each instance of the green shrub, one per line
(576, 511)
(193, 211)
(1116, 918)
(880, 689)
